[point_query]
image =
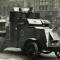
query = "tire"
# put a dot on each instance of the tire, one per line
(2, 49)
(57, 54)
(31, 49)
(2, 46)
(46, 51)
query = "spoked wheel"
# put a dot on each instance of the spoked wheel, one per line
(57, 53)
(31, 49)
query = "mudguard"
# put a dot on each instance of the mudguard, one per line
(55, 35)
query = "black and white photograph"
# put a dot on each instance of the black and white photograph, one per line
(29, 29)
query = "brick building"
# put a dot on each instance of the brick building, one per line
(45, 7)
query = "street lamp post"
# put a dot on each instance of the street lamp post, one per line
(34, 5)
(23, 3)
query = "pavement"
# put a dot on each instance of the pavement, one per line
(14, 54)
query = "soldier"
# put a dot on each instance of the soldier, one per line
(30, 10)
(29, 15)
(20, 10)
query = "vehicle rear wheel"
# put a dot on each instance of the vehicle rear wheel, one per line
(2, 46)
(57, 53)
(31, 49)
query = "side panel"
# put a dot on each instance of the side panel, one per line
(40, 35)
(29, 32)
(25, 33)
(15, 18)
(13, 35)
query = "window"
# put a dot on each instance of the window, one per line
(2, 26)
(43, 5)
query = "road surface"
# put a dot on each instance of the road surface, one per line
(11, 54)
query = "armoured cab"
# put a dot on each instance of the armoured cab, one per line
(33, 30)
(42, 31)
(35, 35)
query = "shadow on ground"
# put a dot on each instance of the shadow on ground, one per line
(39, 57)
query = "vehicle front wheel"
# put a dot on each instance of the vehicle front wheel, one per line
(46, 51)
(57, 53)
(31, 49)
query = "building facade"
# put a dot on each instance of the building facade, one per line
(43, 6)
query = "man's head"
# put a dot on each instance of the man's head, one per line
(19, 9)
(31, 8)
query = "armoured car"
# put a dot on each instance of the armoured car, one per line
(32, 35)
